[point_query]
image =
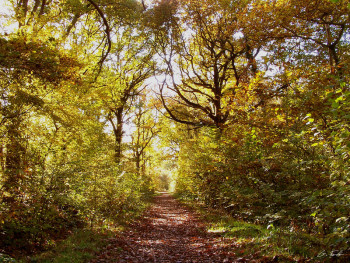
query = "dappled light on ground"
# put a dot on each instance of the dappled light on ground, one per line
(169, 233)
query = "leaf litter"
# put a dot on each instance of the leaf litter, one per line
(169, 232)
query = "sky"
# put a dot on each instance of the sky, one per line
(4, 13)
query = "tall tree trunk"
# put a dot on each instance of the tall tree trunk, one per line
(118, 132)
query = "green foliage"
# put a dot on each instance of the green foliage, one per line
(77, 186)
(281, 159)
(37, 59)
(264, 241)
(81, 246)
(264, 135)
(57, 166)
(296, 181)
(6, 259)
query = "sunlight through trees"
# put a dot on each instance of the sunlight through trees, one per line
(242, 106)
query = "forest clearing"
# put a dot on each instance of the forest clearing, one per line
(238, 109)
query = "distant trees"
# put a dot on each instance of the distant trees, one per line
(146, 130)
(132, 65)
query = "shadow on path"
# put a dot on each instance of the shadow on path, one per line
(169, 232)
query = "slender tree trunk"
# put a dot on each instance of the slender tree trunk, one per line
(118, 133)
(13, 162)
(2, 158)
(138, 162)
(144, 162)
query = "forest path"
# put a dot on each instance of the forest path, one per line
(168, 232)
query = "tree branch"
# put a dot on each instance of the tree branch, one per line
(107, 31)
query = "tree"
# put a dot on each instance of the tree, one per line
(214, 58)
(57, 166)
(146, 130)
(132, 65)
(31, 72)
(286, 130)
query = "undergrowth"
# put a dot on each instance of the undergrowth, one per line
(80, 244)
(268, 242)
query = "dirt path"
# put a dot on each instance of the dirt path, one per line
(169, 232)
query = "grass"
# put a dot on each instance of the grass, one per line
(80, 246)
(262, 241)
(83, 244)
